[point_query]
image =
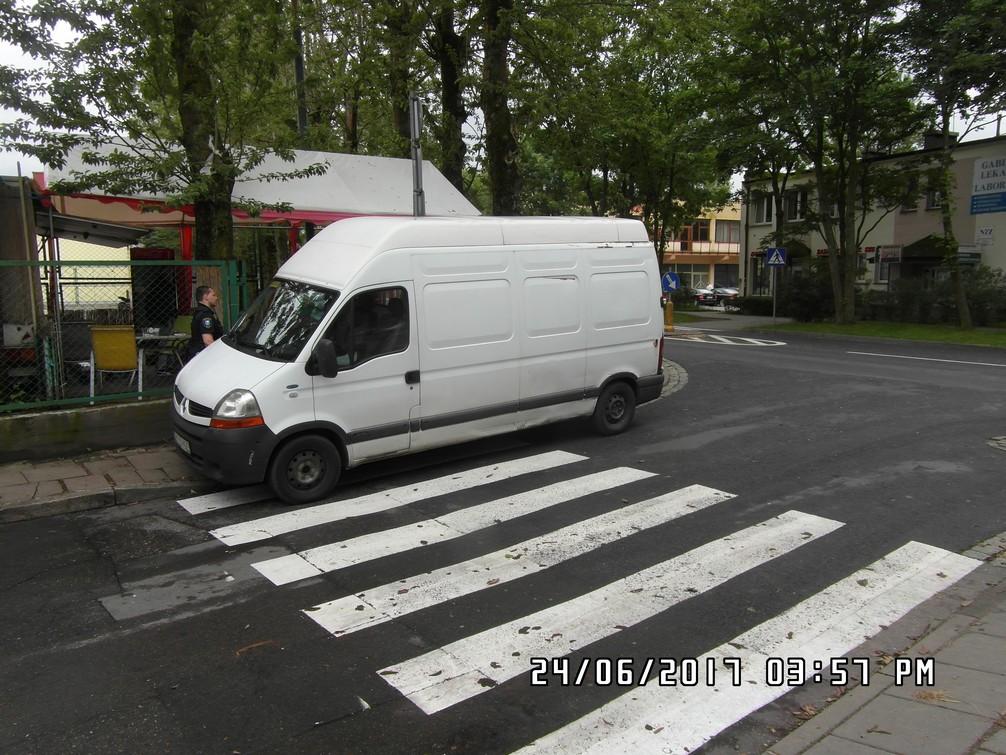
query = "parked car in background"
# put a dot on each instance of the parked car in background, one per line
(706, 296)
(725, 294)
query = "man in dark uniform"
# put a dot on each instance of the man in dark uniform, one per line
(206, 328)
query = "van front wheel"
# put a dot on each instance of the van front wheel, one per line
(305, 469)
(616, 406)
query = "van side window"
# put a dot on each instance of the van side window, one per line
(371, 324)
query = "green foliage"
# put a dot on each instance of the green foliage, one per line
(177, 99)
(807, 298)
(755, 305)
(922, 301)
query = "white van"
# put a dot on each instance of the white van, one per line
(384, 336)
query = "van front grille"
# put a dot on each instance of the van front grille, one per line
(198, 410)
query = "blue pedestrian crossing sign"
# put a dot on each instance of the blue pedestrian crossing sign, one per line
(775, 256)
(670, 282)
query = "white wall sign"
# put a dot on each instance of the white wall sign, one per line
(988, 191)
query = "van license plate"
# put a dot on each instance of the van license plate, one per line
(183, 444)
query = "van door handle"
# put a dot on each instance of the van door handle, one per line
(412, 376)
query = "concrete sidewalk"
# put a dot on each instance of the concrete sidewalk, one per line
(29, 490)
(964, 712)
(719, 320)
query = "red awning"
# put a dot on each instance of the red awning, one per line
(293, 217)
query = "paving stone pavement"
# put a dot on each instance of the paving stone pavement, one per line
(30, 490)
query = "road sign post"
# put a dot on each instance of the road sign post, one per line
(775, 257)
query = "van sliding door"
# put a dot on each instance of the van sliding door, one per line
(469, 353)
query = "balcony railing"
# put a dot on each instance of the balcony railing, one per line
(702, 247)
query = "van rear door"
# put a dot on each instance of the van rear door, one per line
(553, 335)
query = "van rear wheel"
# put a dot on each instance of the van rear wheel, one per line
(305, 469)
(616, 406)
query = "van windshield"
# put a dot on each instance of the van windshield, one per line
(281, 319)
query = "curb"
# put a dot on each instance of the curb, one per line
(70, 504)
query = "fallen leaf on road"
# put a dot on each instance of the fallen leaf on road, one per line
(241, 651)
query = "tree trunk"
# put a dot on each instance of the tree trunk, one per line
(221, 189)
(450, 51)
(501, 144)
(352, 120)
(949, 241)
(195, 111)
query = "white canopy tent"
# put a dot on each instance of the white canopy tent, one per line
(351, 185)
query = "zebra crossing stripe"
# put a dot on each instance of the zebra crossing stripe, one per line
(339, 555)
(278, 524)
(463, 669)
(829, 624)
(395, 599)
(225, 499)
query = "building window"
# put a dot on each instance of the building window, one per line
(700, 230)
(934, 199)
(728, 231)
(911, 201)
(763, 206)
(760, 276)
(697, 230)
(795, 204)
(692, 276)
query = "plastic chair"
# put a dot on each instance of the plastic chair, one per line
(183, 324)
(113, 349)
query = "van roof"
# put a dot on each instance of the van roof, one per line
(333, 256)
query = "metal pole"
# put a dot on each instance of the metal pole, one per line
(415, 131)
(775, 289)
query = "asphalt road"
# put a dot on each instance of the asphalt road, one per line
(146, 628)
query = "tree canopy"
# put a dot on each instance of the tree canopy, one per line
(533, 106)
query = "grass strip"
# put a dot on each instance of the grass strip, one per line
(993, 337)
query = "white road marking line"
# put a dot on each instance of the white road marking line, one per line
(224, 499)
(827, 625)
(326, 558)
(290, 521)
(466, 668)
(926, 359)
(706, 337)
(396, 599)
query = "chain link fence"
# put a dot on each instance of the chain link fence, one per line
(87, 330)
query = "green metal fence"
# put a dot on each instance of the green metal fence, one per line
(90, 331)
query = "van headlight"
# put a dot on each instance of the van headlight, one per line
(237, 409)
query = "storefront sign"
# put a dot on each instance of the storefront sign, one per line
(988, 191)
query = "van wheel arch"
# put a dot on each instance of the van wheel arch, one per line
(620, 377)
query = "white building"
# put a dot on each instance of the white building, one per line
(901, 242)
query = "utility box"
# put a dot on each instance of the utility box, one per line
(15, 334)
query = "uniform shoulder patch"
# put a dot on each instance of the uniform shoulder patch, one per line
(207, 322)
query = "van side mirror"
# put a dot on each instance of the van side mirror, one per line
(323, 359)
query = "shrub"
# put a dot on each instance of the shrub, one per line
(754, 305)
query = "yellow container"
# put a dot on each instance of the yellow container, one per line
(669, 317)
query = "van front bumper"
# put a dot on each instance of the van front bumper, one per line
(237, 456)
